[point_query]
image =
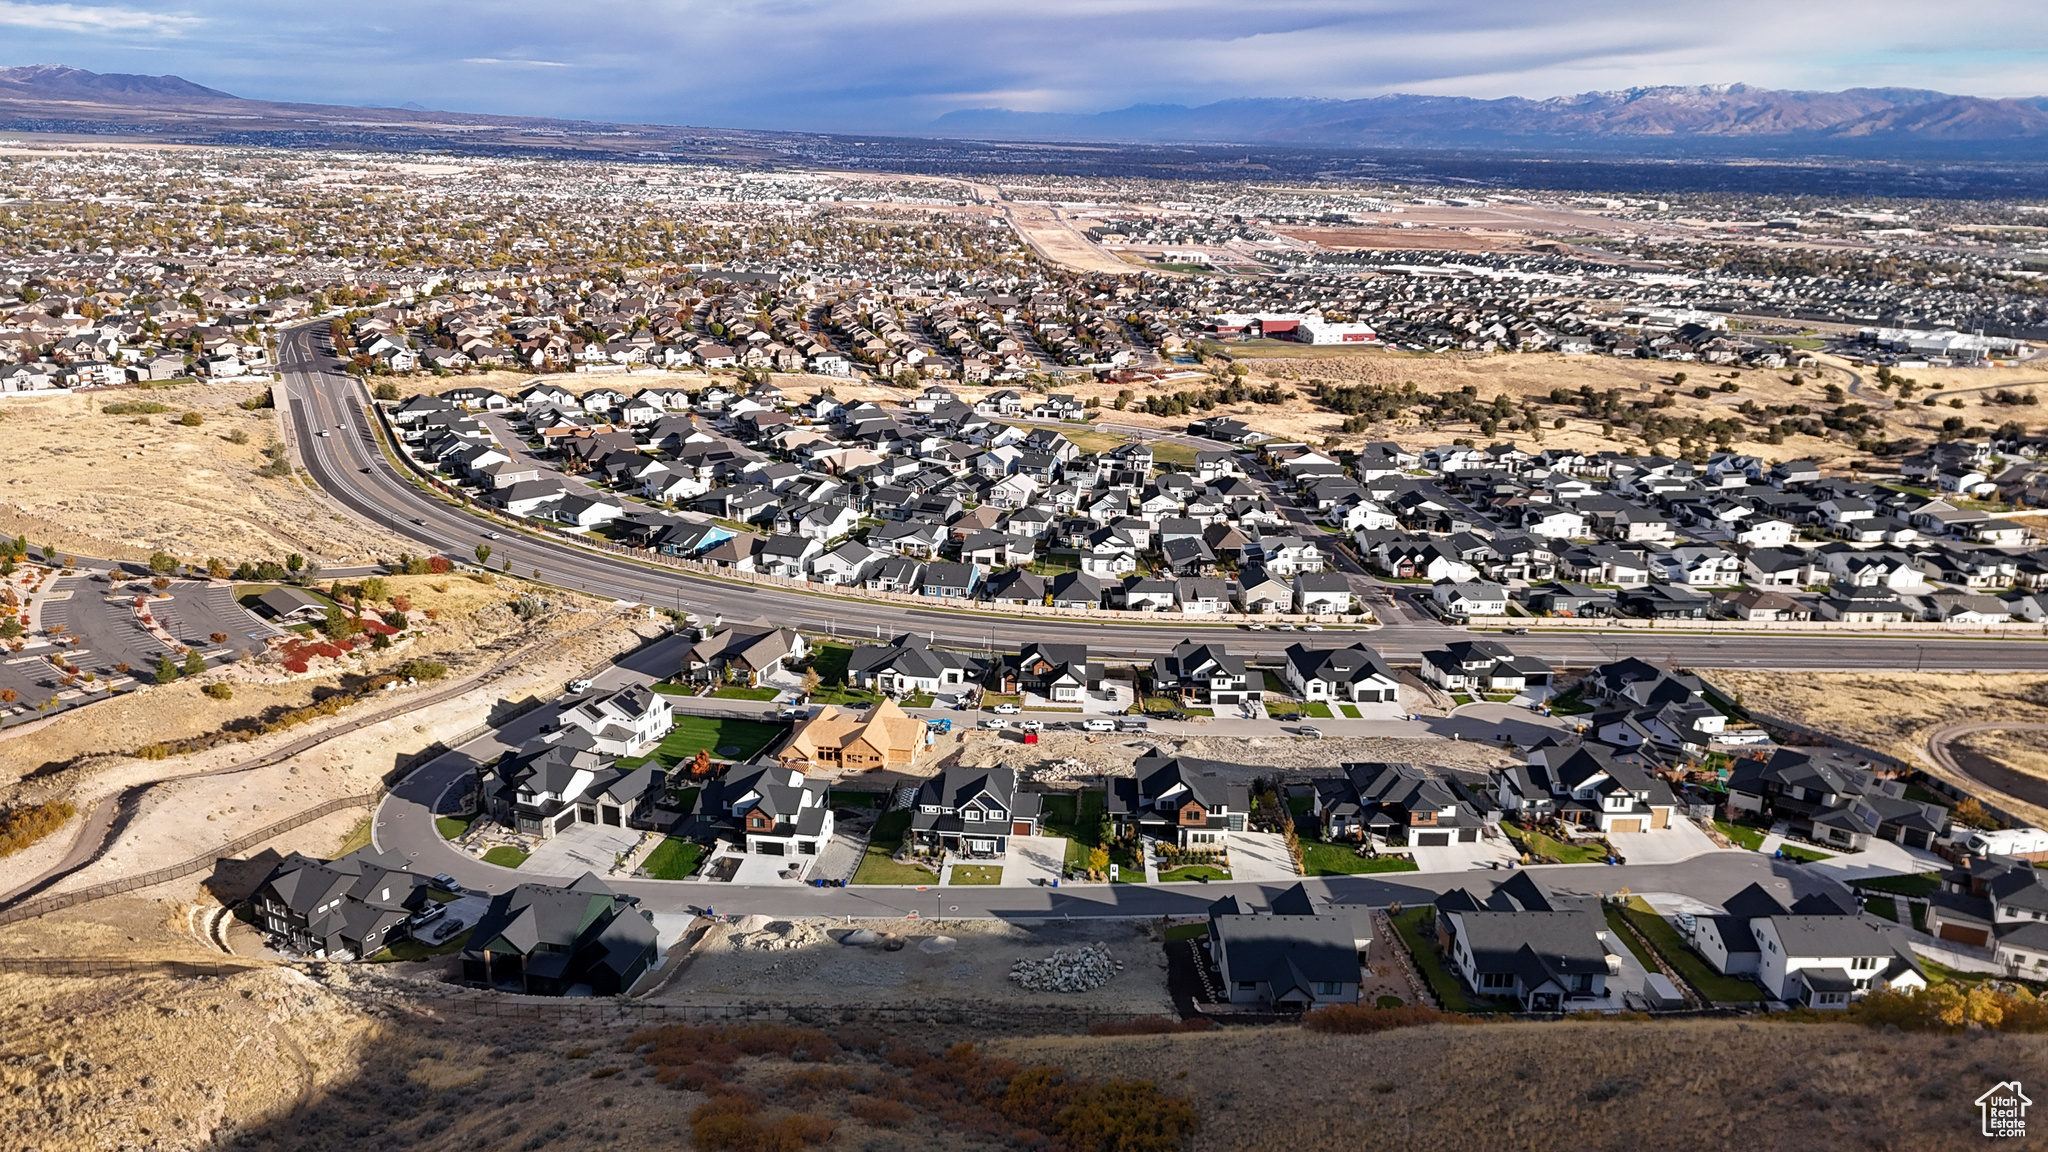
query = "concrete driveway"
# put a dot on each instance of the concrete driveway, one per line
(1261, 856)
(581, 848)
(1682, 841)
(1034, 861)
(1481, 853)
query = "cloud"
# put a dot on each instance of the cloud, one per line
(525, 63)
(84, 19)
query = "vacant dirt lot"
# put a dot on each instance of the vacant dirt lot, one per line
(953, 964)
(1567, 1087)
(1254, 756)
(123, 486)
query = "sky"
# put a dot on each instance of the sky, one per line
(896, 65)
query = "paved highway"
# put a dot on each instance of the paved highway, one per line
(349, 466)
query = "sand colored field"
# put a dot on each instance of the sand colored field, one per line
(1413, 239)
(126, 485)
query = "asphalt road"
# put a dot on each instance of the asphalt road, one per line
(348, 465)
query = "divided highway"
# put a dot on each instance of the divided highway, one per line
(347, 463)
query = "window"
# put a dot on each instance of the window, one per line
(1248, 985)
(1328, 987)
(970, 814)
(1497, 980)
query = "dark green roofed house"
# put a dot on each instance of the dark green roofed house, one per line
(549, 941)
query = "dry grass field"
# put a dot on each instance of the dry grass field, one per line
(123, 486)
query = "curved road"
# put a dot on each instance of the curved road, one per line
(2009, 782)
(350, 467)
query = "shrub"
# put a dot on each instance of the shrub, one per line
(1150, 1026)
(165, 670)
(439, 565)
(420, 669)
(134, 408)
(1126, 1116)
(238, 436)
(24, 826)
(219, 691)
(191, 419)
(1357, 1018)
(881, 1113)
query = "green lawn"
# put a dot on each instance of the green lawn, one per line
(1618, 924)
(1450, 991)
(1919, 917)
(828, 660)
(1187, 932)
(1193, 872)
(860, 697)
(674, 859)
(694, 734)
(977, 874)
(454, 827)
(1919, 885)
(1669, 944)
(1537, 844)
(1077, 818)
(505, 856)
(877, 867)
(1317, 709)
(1299, 805)
(410, 949)
(841, 798)
(1166, 452)
(1350, 711)
(735, 693)
(1741, 835)
(1320, 859)
(1883, 906)
(1275, 686)
(1809, 855)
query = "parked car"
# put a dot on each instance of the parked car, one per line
(445, 929)
(1311, 627)
(995, 723)
(429, 916)
(446, 882)
(1133, 724)
(1098, 724)
(793, 712)
(1007, 709)
(1255, 626)
(1030, 725)
(1310, 731)
(1284, 626)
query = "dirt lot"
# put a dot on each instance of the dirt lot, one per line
(1894, 712)
(123, 486)
(1568, 1087)
(734, 966)
(1251, 756)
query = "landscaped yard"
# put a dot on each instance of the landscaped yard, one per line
(1350, 711)
(1450, 991)
(1807, 855)
(1570, 703)
(674, 859)
(734, 692)
(1186, 932)
(454, 827)
(1883, 906)
(1276, 685)
(977, 874)
(1320, 859)
(1742, 835)
(505, 856)
(1670, 945)
(1077, 819)
(1919, 885)
(1537, 844)
(877, 867)
(411, 949)
(694, 734)
(1317, 709)
(1193, 872)
(842, 798)
(667, 689)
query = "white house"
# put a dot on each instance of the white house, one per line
(625, 723)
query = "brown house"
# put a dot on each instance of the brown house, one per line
(846, 740)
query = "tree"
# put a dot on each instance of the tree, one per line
(1098, 859)
(217, 569)
(811, 681)
(294, 562)
(701, 766)
(386, 390)
(165, 670)
(374, 588)
(339, 625)
(483, 554)
(195, 663)
(162, 563)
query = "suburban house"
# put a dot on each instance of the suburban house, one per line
(553, 783)
(1060, 673)
(1483, 666)
(625, 723)
(746, 654)
(1179, 799)
(836, 739)
(973, 812)
(332, 909)
(1300, 953)
(1397, 803)
(1834, 804)
(909, 664)
(1356, 674)
(1470, 598)
(1205, 674)
(1814, 953)
(1546, 952)
(1995, 902)
(1588, 786)
(764, 810)
(542, 940)
(1322, 593)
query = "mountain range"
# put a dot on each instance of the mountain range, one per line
(1721, 112)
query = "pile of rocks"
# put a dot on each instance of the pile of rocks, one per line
(1085, 968)
(1062, 771)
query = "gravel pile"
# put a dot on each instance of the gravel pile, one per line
(1081, 970)
(1063, 771)
(774, 935)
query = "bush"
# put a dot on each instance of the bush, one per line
(1150, 1026)
(24, 826)
(881, 1113)
(134, 408)
(421, 669)
(191, 419)
(1356, 1019)
(1951, 1008)
(1126, 1116)
(219, 691)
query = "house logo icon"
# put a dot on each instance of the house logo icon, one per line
(2003, 1110)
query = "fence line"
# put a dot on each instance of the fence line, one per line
(42, 906)
(108, 966)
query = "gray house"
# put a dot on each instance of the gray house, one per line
(1300, 953)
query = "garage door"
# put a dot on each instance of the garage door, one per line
(1635, 825)
(1961, 935)
(1432, 839)
(1020, 828)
